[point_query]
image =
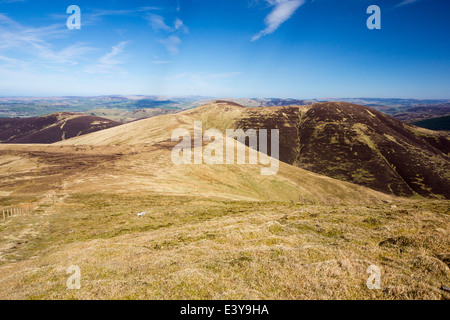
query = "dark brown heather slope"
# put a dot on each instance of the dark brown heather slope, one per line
(361, 145)
(351, 143)
(52, 128)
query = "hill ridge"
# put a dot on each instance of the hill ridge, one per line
(51, 128)
(341, 140)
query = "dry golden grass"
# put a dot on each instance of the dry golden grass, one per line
(39, 169)
(196, 248)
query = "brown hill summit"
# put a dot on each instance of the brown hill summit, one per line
(341, 140)
(351, 143)
(51, 128)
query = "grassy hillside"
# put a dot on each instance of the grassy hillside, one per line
(209, 231)
(190, 247)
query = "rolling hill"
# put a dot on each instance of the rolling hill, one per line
(136, 157)
(341, 140)
(28, 170)
(51, 128)
(216, 231)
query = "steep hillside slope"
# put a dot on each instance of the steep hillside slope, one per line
(349, 142)
(340, 140)
(441, 123)
(147, 169)
(51, 128)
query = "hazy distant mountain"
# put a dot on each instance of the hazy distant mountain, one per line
(125, 116)
(131, 108)
(424, 112)
(270, 102)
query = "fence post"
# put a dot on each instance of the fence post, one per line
(4, 217)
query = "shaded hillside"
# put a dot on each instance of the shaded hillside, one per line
(51, 128)
(441, 123)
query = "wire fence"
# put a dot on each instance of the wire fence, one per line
(17, 211)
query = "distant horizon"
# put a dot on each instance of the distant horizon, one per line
(207, 97)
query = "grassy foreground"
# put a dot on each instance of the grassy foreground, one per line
(195, 248)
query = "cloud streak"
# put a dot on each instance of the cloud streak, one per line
(173, 41)
(171, 44)
(158, 24)
(16, 38)
(111, 57)
(282, 11)
(406, 2)
(110, 61)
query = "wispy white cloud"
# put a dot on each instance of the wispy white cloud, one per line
(171, 44)
(158, 24)
(11, 61)
(282, 11)
(35, 43)
(109, 62)
(11, 1)
(405, 2)
(103, 13)
(93, 17)
(173, 41)
(111, 58)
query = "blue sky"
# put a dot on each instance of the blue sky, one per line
(226, 48)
